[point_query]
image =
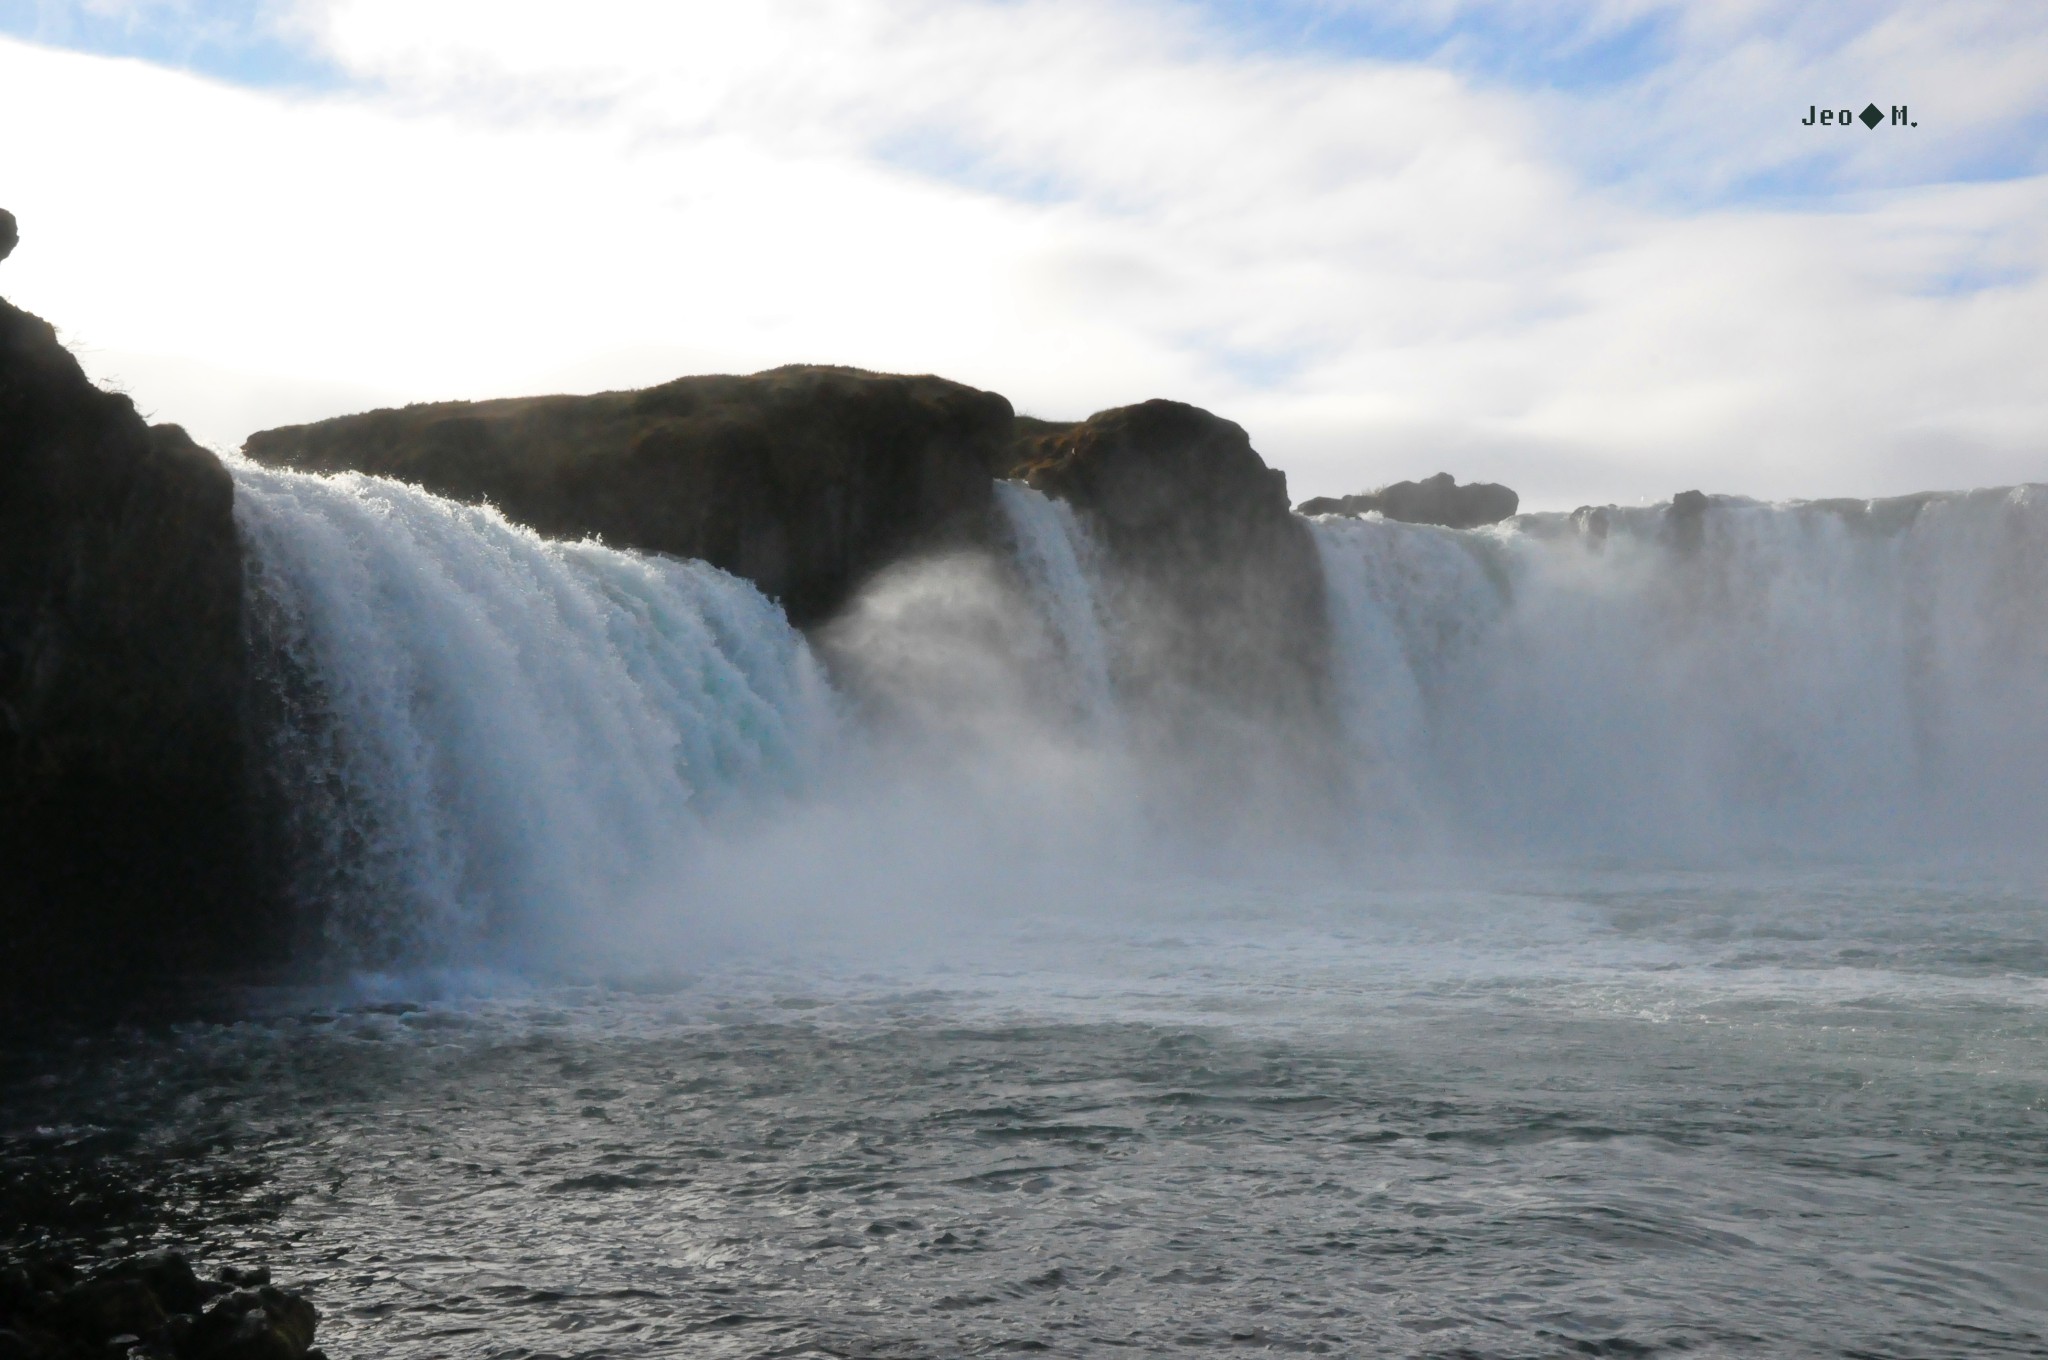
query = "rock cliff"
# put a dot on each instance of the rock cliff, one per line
(125, 855)
(1221, 589)
(804, 480)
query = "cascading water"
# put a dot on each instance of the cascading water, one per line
(494, 745)
(487, 737)
(1059, 563)
(1807, 677)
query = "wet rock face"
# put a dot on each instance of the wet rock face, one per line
(124, 852)
(154, 1306)
(1219, 582)
(804, 480)
(1433, 500)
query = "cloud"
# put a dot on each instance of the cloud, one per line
(1380, 245)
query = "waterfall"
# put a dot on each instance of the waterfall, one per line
(1828, 676)
(1061, 567)
(485, 737)
(491, 745)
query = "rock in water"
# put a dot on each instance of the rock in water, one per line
(124, 853)
(1220, 584)
(1433, 500)
(804, 480)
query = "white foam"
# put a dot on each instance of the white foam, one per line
(490, 733)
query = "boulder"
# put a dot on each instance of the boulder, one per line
(1433, 500)
(263, 1323)
(152, 1305)
(10, 236)
(804, 480)
(125, 855)
(176, 1285)
(1219, 585)
(102, 1309)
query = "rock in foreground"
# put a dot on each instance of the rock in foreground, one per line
(803, 480)
(1433, 500)
(152, 1306)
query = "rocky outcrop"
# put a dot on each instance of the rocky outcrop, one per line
(124, 850)
(804, 480)
(1433, 500)
(156, 1304)
(1220, 585)
(1685, 519)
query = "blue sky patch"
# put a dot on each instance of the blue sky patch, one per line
(936, 153)
(1487, 45)
(237, 41)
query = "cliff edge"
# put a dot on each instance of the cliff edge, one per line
(125, 855)
(804, 480)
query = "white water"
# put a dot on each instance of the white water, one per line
(1806, 679)
(502, 751)
(494, 740)
(1062, 566)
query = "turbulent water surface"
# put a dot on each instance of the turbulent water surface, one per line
(1675, 980)
(1744, 1113)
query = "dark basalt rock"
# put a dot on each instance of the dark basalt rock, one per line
(1433, 500)
(1221, 583)
(264, 1323)
(804, 480)
(152, 1305)
(176, 1285)
(111, 1307)
(124, 851)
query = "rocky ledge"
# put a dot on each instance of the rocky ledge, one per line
(804, 480)
(150, 1307)
(1433, 500)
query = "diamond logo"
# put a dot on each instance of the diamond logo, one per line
(1871, 116)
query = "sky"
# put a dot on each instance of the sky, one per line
(1591, 250)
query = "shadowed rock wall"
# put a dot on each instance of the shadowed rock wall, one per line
(125, 854)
